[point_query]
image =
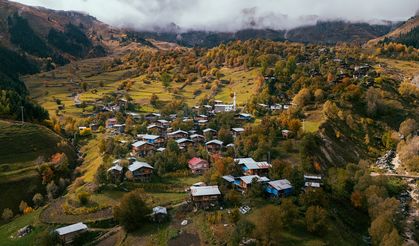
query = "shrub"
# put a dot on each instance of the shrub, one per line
(7, 214)
(132, 211)
(83, 197)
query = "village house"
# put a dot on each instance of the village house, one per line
(244, 117)
(313, 181)
(163, 123)
(120, 128)
(202, 123)
(208, 132)
(67, 234)
(159, 214)
(152, 117)
(278, 188)
(156, 140)
(142, 148)
(184, 143)
(201, 117)
(244, 182)
(286, 133)
(214, 146)
(153, 128)
(198, 165)
(110, 122)
(219, 108)
(178, 134)
(237, 131)
(252, 167)
(197, 138)
(140, 171)
(229, 180)
(115, 173)
(205, 196)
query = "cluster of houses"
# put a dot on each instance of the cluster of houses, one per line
(257, 171)
(136, 170)
(160, 132)
(253, 171)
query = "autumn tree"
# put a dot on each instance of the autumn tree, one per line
(22, 206)
(373, 100)
(302, 98)
(166, 79)
(7, 214)
(38, 199)
(407, 127)
(132, 211)
(319, 95)
(289, 211)
(316, 218)
(269, 224)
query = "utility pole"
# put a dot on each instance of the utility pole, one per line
(21, 109)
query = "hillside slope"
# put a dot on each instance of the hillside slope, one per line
(404, 28)
(20, 146)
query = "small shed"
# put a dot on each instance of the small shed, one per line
(67, 234)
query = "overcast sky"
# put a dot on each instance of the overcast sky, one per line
(231, 15)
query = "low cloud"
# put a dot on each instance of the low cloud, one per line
(232, 15)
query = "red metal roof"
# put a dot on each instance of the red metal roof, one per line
(195, 161)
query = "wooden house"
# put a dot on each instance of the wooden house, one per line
(198, 165)
(279, 188)
(237, 131)
(184, 143)
(209, 133)
(140, 171)
(152, 117)
(205, 196)
(201, 117)
(214, 146)
(156, 140)
(313, 181)
(197, 138)
(153, 128)
(163, 123)
(115, 173)
(244, 117)
(245, 182)
(252, 167)
(178, 134)
(219, 108)
(67, 234)
(159, 214)
(142, 148)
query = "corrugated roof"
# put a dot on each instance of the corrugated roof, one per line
(137, 165)
(281, 184)
(312, 184)
(159, 210)
(148, 136)
(176, 132)
(71, 228)
(228, 178)
(139, 143)
(183, 140)
(249, 179)
(215, 141)
(238, 129)
(205, 190)
(308, 176)
(195, 161)
(115, 167)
